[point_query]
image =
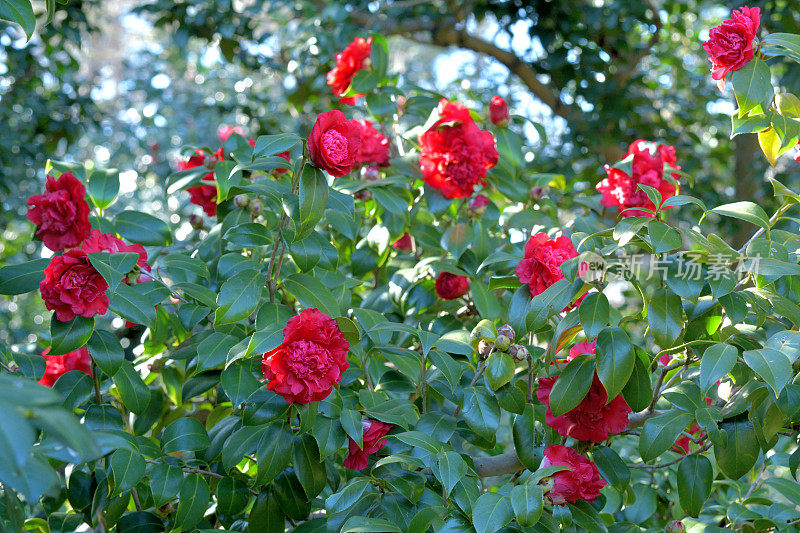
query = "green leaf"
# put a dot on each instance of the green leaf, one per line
(75, 387)
(213, 351)
(499, 369)
(23, 277)
(242, 442)
(106, 351)
(113, 266)
(307, 465)
(752, 86)
(773, 367)
(143, 228)
(586, 516)
(226, 174)
(132, 390)
(362, 524)
(19, 12)
(16, 438)
(267, 514)
(184, 435)
(69, 336)
(491, 513)
(313, 193)
(594, 313)
(663, 238)
(739, 455)
(398, 411)
(527, 502)
(659, 433)
(232, 495)
(103, 187)
(248, 235)
(274, 144)
(638, 392)
(239, 296)
(695, 477)
(165, 483)
(717, 361)
(129, 302)
(615, 360)
(526, 439)
(273, 452)
(665, 316)
(238, 383)
(612, 467)
(311, 293)
(449, 469)
(329, 435)
(365, 80)
(194, 498)
(747, 211)
(481, 412)
(126, 469)
(754, 124)
(572, 384)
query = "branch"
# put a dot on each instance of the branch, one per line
(444, 33)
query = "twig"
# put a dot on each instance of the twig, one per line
(136, 501)
(192, 470)
(271, 271)
(757, 481)
(96, 380)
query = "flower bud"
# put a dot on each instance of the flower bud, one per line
(363, 195)
(502, 343)
(485, 330)
(498, 112)
(676, 526)
(485, 349)
(401, 103)
(133, 276)
(519, 352)
(210, 161)
(241, 200)
(196, 221)
(506, 330)
(256, 208)
(371, 173)
(536, 193)
(478, 205)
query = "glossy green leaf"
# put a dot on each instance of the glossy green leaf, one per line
(143, 228)
(572, 384)
(69, 336)
(239, 296)
(615, 360)
(695, 477)
(22, 277)
(185, 434)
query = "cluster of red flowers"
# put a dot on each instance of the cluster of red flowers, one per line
(348, 62)
(72, 286)
(58, 365)
(730, 45)
(595, 418)
(620, 189)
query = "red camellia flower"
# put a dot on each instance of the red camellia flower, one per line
(311, 359)
(404, 243)
(374, 435)
(456, 154)
(592, 419)
(224, 132)
(647, 160)
(374, 145)
(451, 286)
(204, 194)
(541, 266)
(106, 242)
(730, 45)
(72, 287)
(61, 214)
(348, 62)
(581, 482)
(334, 143)
(57, 365)
(498, 111)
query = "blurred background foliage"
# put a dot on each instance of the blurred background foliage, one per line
(128, 84)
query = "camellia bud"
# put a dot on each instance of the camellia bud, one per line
(196, 221)
(256, 208)
(478, 205)
(519, 352)
(241, 200)
(502, 343)
(363, 195)
(210, 161)
(507, 330)
(133, 276)
(485, 349)
(484, 331)
(676, 526)
(498, 112)
(536, 193)
(371, 173)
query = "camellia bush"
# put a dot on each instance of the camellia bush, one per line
(393, 323)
